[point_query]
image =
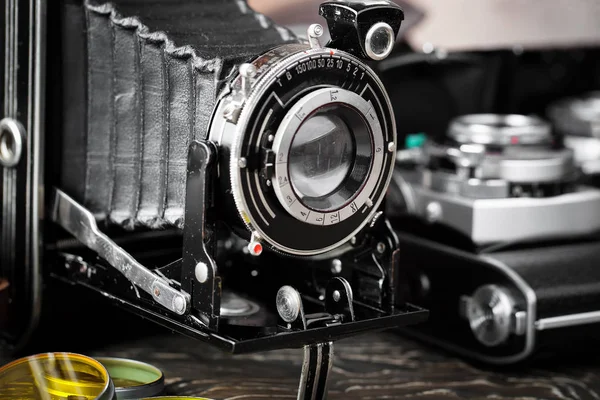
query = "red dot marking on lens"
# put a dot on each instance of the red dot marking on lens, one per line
(257, 249)
(330, 52)
(514, 140)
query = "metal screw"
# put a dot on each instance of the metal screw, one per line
(270, 138)
(336, 295)
(336, 266)
(353, 241)
(247, 71)
(178, 304)
(288, 303)
(380, 247)
(242, 162)
(268, 182)
(201, 272)
(433, 211)
(391, 146)
(316, 30)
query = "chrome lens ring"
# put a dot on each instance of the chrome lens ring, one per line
(500, 130)
(379, 41)
(302, 110)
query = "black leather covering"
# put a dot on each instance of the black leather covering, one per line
(152, 73)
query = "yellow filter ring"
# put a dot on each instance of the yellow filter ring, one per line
(55, 376)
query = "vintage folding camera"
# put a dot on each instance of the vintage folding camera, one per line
(204, 168)
(500, 238)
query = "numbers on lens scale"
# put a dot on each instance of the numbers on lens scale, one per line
(282, 181)
(353, 207)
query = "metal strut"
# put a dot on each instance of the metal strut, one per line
(318, 359)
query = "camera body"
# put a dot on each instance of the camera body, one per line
(500, 237)
(226, 183)
(496, 218)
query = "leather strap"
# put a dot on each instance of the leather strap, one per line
(153, 73)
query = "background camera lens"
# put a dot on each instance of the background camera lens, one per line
(329, 157)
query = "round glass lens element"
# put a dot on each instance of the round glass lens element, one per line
(379, 41)
(321, 155)
(57, 376)
(329, 157)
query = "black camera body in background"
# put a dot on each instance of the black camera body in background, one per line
(555, 282)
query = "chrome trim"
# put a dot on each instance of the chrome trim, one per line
(510, 219)
(80, 223)
(563, 321)
(500, 129)
(14, 130)
(390, 45)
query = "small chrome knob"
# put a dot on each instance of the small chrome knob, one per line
(493, 315)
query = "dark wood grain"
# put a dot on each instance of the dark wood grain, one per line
(373, 366)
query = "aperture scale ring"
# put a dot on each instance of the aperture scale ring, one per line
(243, 137)
(283, 141)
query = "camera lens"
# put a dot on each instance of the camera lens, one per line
(329, 157)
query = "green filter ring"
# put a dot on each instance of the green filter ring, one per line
(133, 379)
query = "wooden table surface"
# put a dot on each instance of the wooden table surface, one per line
(380, 365)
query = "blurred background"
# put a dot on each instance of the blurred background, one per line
(474, 24)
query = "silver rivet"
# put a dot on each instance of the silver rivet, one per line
(201, 272)
(254, 272)
(353, 241)
(11, 142)
(380, 247)
(242, 162)
(178, 304)
(268, 182)
(391, 146)
(336, 295)
(288, 303)
(433, 211)
(314, 32)
(336, 266)
(247, 70)
(270, 138)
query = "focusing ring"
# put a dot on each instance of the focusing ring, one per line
(500, 130)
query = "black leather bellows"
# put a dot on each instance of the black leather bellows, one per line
(140, 82)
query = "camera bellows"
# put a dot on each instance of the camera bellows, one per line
(146, 98)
